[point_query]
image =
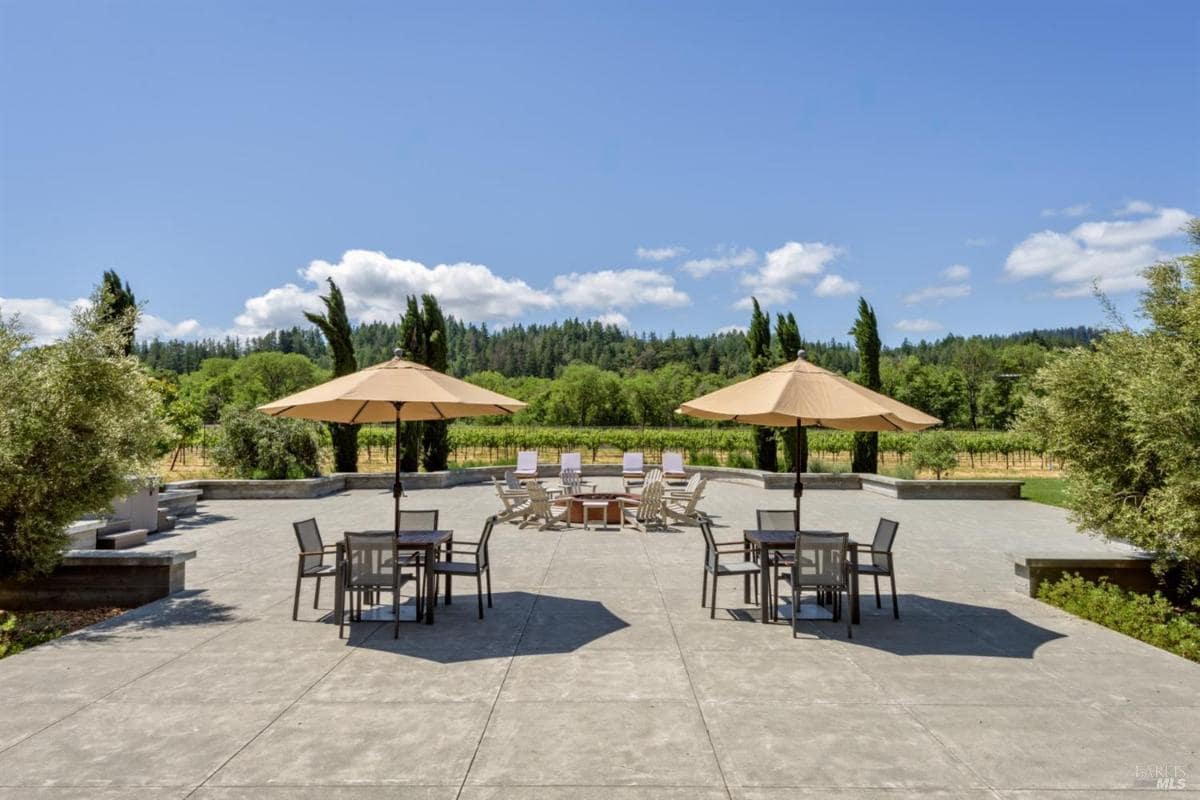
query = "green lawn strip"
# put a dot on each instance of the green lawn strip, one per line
(1051, 491)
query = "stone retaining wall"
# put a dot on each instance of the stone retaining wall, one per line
(100, 578)
(382, 481)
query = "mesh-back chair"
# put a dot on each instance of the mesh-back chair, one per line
(417, 520)
(737, 562)
(312, 560)
(820, 564)
(373, 565)
(778, 519)
(478, 564)
(880, 562)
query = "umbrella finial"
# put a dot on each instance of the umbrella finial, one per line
(802, 354)
(398, 352)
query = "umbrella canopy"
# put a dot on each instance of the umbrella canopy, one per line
(394, 391)
(801, 394)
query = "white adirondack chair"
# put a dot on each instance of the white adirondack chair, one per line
(542, 511)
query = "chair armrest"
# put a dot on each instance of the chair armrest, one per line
(740, 544)
(730, 547)
(314, 553)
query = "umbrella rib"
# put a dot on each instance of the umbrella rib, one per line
(438, 410)
(360, 410)
(283, 410)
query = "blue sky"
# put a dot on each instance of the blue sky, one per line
(967, 168)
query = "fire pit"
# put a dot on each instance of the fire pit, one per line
(612, 514)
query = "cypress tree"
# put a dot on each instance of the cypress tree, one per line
(412, 340)
(118, 299)
(335, 325)
(435, 439)
(787, 337)
(758, 338)
(865, 455)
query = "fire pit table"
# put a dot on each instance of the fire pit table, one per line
(612, 514)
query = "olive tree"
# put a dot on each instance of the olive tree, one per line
(78, 418)
(1124, 419)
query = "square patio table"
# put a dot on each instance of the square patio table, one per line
(428, 542)
(786, 540)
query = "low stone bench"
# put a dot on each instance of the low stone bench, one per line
(903, 489)
(100, 578)
(1129, 571)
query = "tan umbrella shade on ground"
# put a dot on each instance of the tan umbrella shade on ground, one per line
(394, 391)
(801, 394)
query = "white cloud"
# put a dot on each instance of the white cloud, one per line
(835, 286)
(376, 288)
(1133, 208)
(793, 263)
(977, 241)
(726, 258)
(40, 317)
(619, 289)
(152, 327)
(1070, 211)
(956, 272)
(733, 329)
(614, 318)
(47, 320)
(918, 325)
(1110, 254)
(660, 253)
(937, 294)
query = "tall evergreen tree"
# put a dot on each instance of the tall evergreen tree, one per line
(335, 326)
(787, 340)
(118, 299)
(412, 340)
(865, 455)
(758, 338)
(435, 439)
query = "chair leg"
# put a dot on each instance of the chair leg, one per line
(895, 602)
(342, 621)
(704, 588)
(317, 594)
(878, 603)
(396, 608)
(489, 586)
(712, 610)
(479, 592)
(296, 601)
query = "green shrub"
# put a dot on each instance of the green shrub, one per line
(935, 451)
(77, 418)
(253, 445)
(904, 472)
(703, 458)
(1150, 618)
(739, 459)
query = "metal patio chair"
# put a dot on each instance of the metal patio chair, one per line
(479, 564)
(372, 565)
(312, 560)
(737, 563)
(820, 564)
(881, 562)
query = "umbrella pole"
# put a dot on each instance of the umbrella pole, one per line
(397, 487)
(798, 489)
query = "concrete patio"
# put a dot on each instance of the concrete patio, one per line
(598, 674)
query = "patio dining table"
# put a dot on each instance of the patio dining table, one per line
(766, 541)
(429, 543)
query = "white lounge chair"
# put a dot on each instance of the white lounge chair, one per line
(570, 461)
(542, 511)
(681, 506)
(527, 464)
(516, 502)
(672, 467)
(633, 466)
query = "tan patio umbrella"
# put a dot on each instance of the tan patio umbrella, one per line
(394, 391)
(802, 394)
